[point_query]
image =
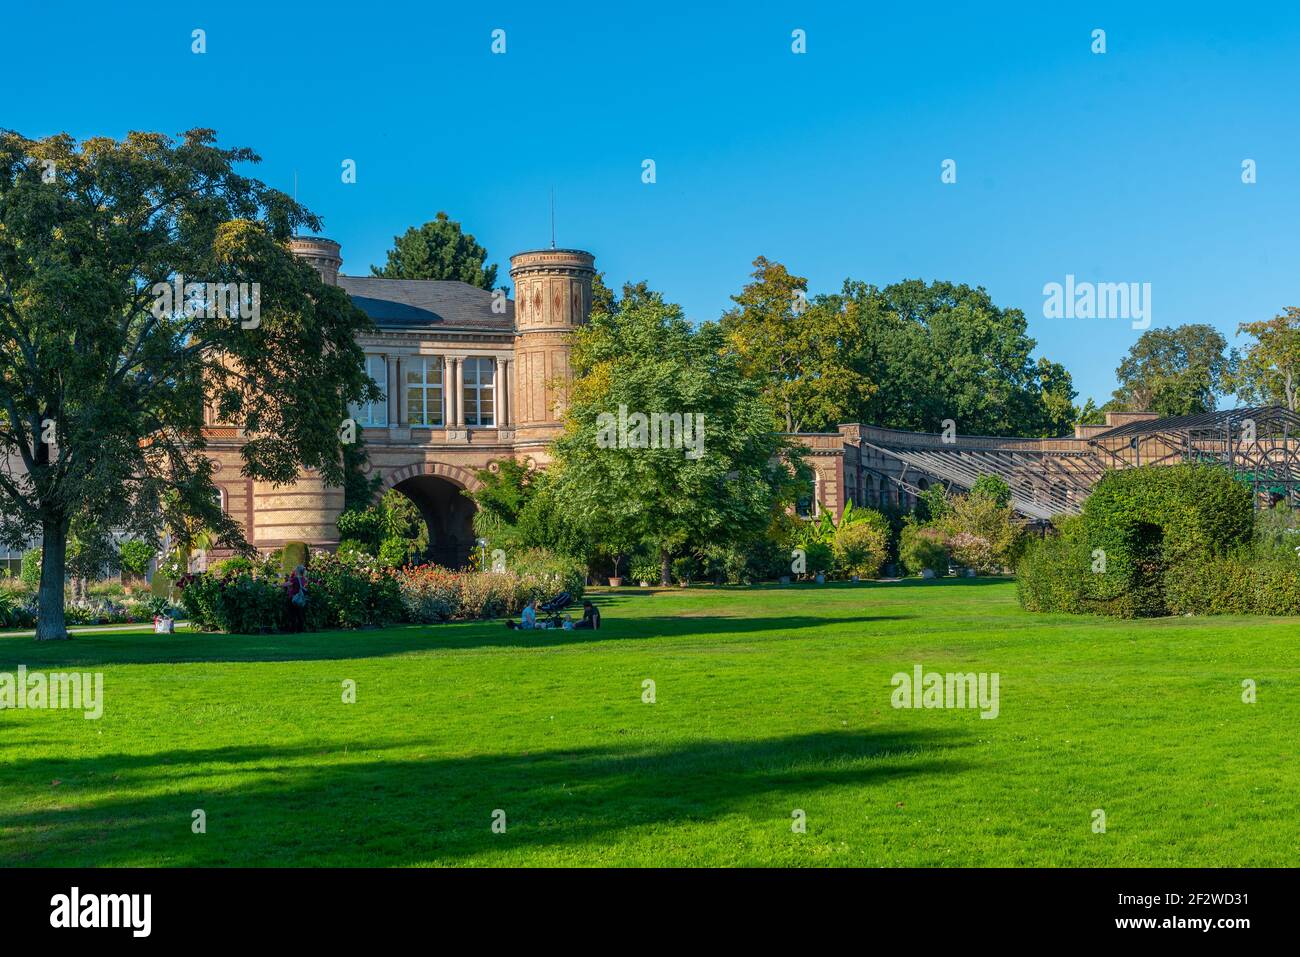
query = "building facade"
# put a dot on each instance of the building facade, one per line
(470, 376)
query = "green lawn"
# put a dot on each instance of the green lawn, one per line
(768, 700)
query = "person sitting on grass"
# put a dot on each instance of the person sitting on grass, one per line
(527, 618)
(590, 616)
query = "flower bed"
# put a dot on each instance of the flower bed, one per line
(251, 599)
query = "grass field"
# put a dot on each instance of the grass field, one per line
(768, 700)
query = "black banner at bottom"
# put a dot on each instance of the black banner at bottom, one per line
(336, 906)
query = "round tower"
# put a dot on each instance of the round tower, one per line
(321, 253)
(552, 298)
(304, 511)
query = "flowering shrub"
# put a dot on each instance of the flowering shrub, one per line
(975, 551)
(981, 534)
(356, 591)
(429, 594)
(350, 594)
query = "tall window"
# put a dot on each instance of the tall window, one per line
(478, 399)
(424, 390)
(373, 413)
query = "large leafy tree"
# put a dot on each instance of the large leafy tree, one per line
(808, 355)
(1269, 371)
(438, 250)
(104, 382)
(1179, 370)
(518, 509)
(647, 357)
(943, 351)
(908, 356)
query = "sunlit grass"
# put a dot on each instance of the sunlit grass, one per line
(768, 700)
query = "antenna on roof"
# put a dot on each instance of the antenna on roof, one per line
(552, 217)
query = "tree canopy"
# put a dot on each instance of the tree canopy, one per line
(908, 356)
(1269, 371)
(620, 478)
(438, 250)
(1180, 370)
(144, 283)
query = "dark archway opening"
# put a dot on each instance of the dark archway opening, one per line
(448, 514)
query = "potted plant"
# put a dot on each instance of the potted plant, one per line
(616, 580)
(644, 571)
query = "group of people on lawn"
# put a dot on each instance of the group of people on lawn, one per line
(528, 618)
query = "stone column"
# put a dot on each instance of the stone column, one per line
(510, 392)
(402, 414)
(499, 393)
(448, 392)
(460, 392)
(394, 389)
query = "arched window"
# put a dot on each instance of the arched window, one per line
(804, 505)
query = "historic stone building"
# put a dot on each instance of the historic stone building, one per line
(470, 376)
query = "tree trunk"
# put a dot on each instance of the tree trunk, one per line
(665, 567)
(54, 548)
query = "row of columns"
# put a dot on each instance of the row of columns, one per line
(453, 390)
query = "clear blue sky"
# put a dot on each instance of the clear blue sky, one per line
(1117, 167)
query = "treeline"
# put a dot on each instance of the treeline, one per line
(906, 356)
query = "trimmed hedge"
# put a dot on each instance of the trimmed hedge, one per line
(1198, 510)
(1234, 585)
(1136, 526)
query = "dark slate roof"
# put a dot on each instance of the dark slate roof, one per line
(421, 303)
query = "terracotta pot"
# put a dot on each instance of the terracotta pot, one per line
(616, 583)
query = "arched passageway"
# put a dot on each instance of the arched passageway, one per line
(448, 514)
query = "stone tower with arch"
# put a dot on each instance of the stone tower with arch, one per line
(468, 378)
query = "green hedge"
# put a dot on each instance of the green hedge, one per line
(1194, 509)
(1136, 526)
(1234, 585)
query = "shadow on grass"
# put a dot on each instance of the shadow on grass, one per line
(287, 806)
(125, 648)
